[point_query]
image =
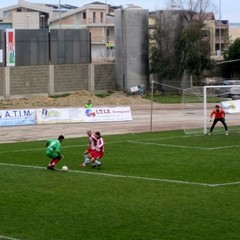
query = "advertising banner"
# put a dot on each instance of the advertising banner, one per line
(10, 47)
(17, 117)
(108, 114)
(63, 115)
(231, 106)
(59, 115)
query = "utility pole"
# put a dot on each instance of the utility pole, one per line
(60, 16)
(105, 32)
(220, 28)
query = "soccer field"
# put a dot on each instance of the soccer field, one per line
(151, 186)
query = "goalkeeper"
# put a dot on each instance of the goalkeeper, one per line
(219, 115)
(53, 151)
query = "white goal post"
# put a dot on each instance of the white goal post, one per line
(198, 102)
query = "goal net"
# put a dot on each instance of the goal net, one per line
(198, 102)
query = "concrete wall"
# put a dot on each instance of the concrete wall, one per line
(41, 47)
(103, 77)
(131, 47)
(29, 79)
(24, 81)
(32, 47)
(70, 78)
(70, 46)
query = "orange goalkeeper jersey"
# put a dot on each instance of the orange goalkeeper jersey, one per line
(219, 114)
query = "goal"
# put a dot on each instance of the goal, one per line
(198, 102)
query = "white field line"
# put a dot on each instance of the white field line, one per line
(182, 146)
(85, 145)
(130, 141)
(128, 177)
(224, 184)
(8, 238)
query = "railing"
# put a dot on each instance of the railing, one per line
(96, 21)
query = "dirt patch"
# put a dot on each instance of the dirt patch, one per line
(77, 99)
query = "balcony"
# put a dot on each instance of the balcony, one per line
(97, 22)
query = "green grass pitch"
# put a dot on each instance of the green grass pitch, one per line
(151, 186)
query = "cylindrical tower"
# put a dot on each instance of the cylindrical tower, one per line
(131, 48)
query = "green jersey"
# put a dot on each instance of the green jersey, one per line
(88, 105)
(53, 148)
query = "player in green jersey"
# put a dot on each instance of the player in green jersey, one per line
(53, 148)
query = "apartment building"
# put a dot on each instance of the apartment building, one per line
(27, 15)
(221, 35)
(97, 17)
(234, 31)
(216, 31)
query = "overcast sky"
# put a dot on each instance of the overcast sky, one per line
(229, 8)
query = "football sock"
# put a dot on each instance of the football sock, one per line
(51, 163)
(97, 162)
(86, 161)
(55, 161)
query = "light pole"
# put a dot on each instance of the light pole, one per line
(60, 16)
(105, 31)
(220, 28)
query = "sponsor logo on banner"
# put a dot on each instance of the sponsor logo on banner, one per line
(90, 113)
(17, 117)
(231, 106)
(106, 114)
(59, 115)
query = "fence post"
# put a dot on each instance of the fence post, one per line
(6, 83)
(51, 91)
(91, 77)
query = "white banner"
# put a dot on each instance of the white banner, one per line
(16, 117)
(107, 114)
(63, 115)
(231, 106)
(59, 115)
(68, 115)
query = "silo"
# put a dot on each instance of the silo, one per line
(131, 48)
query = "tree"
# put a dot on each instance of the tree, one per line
(231, 67)
(187, 50)
(193, 50)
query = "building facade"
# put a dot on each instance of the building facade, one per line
(97, 17)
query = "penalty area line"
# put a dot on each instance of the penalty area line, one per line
(130, 177)
(224, 184)
(182, 146)
(8, 238)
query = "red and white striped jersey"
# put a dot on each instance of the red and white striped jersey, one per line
(100, 145)
(92, 142)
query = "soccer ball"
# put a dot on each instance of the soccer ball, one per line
(64, 168)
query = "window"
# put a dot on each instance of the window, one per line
(19, 10)
(94, 17)
(5, 14)
(84, 15)
(101, 14)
